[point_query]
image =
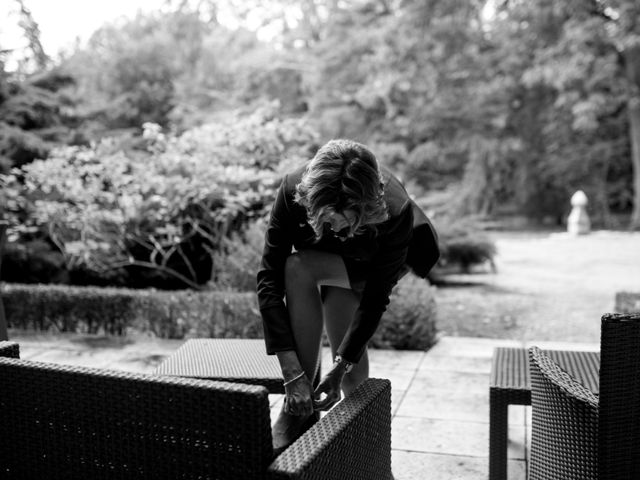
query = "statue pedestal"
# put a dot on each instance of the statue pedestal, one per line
(578, 222)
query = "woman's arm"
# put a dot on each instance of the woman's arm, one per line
(270, 280)
(275, 316)
(387, 266)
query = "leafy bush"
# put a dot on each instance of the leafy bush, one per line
(435, 167)
(409, 322)
(463, 244)
(31, 261)
(167, 210)
(238, 261)
(391, 155)
(627, 302)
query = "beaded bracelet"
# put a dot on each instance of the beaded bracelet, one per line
(293, 379)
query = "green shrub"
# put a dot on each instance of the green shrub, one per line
(236, 264)
(627, 302)
(33, 261)
(409, 322)
(157, 216)
(463, 244)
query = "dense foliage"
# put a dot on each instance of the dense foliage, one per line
(464, 244)
(167, 208)
(34, 117)
(522, 107)
(147, 156)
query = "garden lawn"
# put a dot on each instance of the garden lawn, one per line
(548, 286)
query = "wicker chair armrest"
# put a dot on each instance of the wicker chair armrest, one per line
(562, 380)
(564, 426)
(353, 441)
(9, 349)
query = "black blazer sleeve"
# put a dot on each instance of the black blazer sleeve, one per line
(270, 287)
(386, 267)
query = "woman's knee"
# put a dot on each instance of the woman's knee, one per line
(298, 268)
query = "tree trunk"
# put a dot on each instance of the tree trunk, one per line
(3, 321)
(632, 61)
(634, 127)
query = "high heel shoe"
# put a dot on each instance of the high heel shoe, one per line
(288, 428)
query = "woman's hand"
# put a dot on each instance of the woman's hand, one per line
(298, 390)
(331, 386)
(298, 398)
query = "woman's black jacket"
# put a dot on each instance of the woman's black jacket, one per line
(377, 255)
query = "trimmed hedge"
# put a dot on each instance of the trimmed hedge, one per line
(627, 302)
(166, 314)
(409, 322)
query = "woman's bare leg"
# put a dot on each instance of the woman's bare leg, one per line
(305, 272)
(339, 308)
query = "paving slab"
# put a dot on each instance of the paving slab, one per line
(452, 363)
(75, 357)
(400, 379)
(470, 347)
(421, 466)
(450, 437)
(395, 359)
(423, 401)
(452, 381)
(397, 397)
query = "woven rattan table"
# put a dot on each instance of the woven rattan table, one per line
(510, 384)
(231, 360)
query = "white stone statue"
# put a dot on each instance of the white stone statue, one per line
(578, 222)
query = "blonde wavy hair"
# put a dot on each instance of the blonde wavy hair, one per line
(343, 175)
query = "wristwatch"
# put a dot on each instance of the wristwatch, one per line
(347, 365)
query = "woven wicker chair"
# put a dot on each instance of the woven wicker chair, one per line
(9, 349)
(576, 434)
(63, 422)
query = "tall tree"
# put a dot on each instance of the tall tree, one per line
(628, 40)
(170, 67)
(593, 71)
(38, 57)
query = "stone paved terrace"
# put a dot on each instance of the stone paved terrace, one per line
(440, 398)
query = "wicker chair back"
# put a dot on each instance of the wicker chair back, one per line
(619, 425)
(576, 434)
(63, 422)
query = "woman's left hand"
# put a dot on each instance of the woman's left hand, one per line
(330, 385)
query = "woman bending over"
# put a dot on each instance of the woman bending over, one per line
(335, 246)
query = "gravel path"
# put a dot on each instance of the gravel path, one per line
(548, 286)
